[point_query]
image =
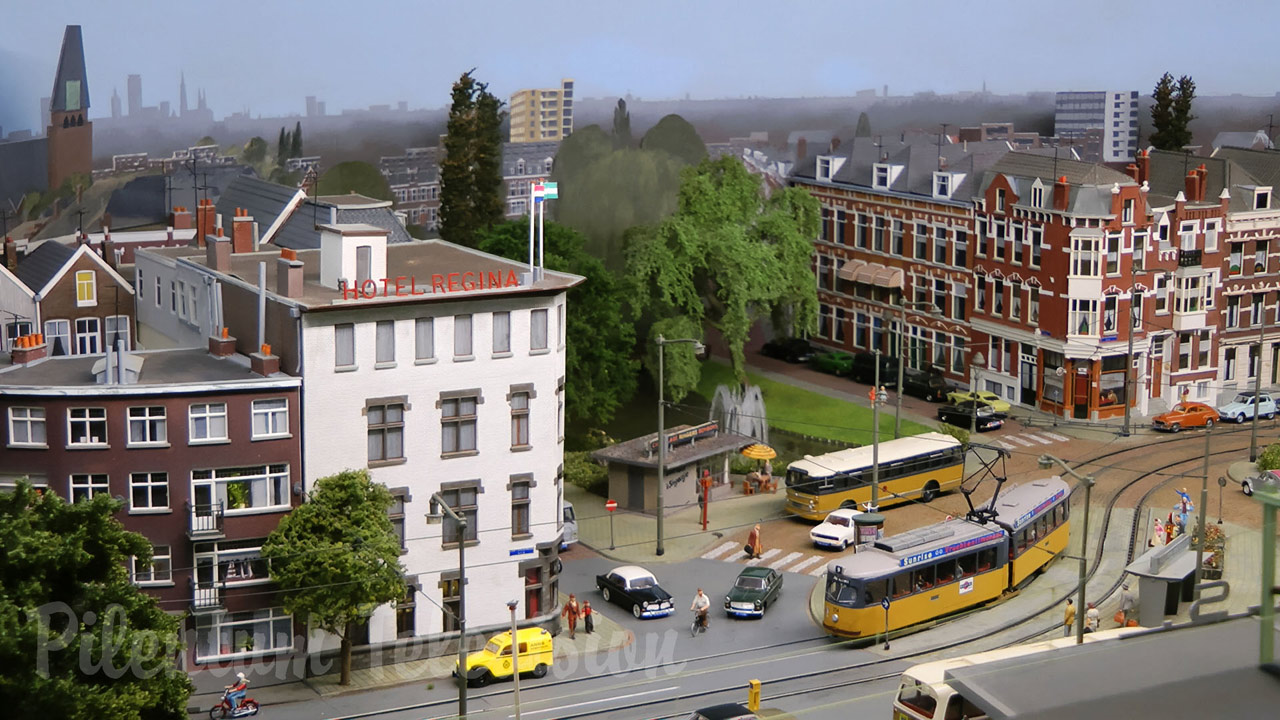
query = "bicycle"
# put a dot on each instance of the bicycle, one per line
(699, 623)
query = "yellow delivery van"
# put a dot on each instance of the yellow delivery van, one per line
(494, 661)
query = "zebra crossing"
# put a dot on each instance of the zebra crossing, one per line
(813, 564)
(1027, 439)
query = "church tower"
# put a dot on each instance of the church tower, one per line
(70, 133)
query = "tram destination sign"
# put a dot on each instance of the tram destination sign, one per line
(948, 549)
(1040, 508)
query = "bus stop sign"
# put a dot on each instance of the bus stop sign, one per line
(884, 603)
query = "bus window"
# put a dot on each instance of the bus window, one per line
(853, 481)
(958, 708)
(924, 578)
(902, 584)
(986, 559)
(1021, 544)
(946, 571)
(968, 564)
(918, 697)
(874, 591)
(1043, 522)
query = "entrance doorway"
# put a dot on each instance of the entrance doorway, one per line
(1080, 396)
(635, 488)
(1028, 376)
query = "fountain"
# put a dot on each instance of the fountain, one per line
(741, 410)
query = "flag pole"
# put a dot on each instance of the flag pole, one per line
(531, 211)
(542, 213)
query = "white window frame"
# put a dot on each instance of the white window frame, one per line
(502, 333)
(223, 627)
(147, 482)
(1126, 214)
(272, 480)
(1082, 311)
(344, 346)
(91, 484)
(275, 413)
(942, 185)
(148, 426)
(1037, 195)
(1085, 257)
(155, 577)
(538, 324)
(88, 416)
(31, 418)
(384, 344)
(881, 176)
(210, 413)
(55, 329)
(86, 288)
(88, 341)
(463, 337)
(116, 325)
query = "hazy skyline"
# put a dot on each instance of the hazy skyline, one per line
(267, 56)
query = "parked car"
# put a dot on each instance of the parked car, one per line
(992, 400)
(728, 711)
(864, 369)
(834, 363)
(635, 588)
(752, 593)
(837, 530)
(961, 415)
(1241, 408)
(494, 661)
(793, 350)
(1185, 415)
(926, 385)
(1269, 478)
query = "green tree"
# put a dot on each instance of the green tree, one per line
(254, 152)
(864, 126)
(1182, 116)
(295, 142)
(78, 640)
(206, 140)
(600, 337)
(621, 125)
(471, 170)
(337, 556)
(282, 147)
(728, 256)
(1171, 112)
(675, 135)
(354, 176)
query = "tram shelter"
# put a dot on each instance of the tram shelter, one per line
(1166, 578)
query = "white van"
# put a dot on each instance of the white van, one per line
(570, 534)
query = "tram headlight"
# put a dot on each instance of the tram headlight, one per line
(835, 617)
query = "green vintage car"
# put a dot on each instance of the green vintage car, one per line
(834, 363)
(752, 593)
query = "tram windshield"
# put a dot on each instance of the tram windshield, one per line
(855, 592)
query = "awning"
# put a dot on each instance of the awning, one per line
(889, 277)
(846, 271)
(759, 452)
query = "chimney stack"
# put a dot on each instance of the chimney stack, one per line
(28, 349)
(10, 254)
(242, 232)
(181, 218)
(802, 148)
(1191, 185)
(1144, 166)
(217, 253)
(1202, 186)
(289, 274)
(835, 144)
(108, 248)
(1132, 171)
(264, 363)
(222, 345)
(1061, 194)
(204, 221)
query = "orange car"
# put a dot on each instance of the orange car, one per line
(1186, 415)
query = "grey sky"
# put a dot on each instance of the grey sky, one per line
(267, 55)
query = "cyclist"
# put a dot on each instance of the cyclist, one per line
(238, 690)
(701, 606)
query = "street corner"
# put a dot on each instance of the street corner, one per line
(1241, 469)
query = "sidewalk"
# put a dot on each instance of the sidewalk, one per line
(608, 637)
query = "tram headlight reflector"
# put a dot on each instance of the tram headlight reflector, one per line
(835, 617)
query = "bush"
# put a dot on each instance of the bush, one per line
(1270, 458)
(586, 473)
(958, 433)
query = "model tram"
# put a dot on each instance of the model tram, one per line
(941, 569)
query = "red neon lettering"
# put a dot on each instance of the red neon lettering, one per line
(511, 279)
(453, 282)
(369, 289)
(467, 283)
(437, 283)
(400, 285)
(348, 292)
(495, 279)
(413, 287)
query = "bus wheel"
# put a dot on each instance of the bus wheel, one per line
(848, 505)
(930, 491)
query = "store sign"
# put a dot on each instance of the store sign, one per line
(441, 283)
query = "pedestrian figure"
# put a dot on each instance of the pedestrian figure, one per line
(754, 547)
(1068, 618)
(1127, 604)
(1091, 619)
(588, 622)
(571, 613)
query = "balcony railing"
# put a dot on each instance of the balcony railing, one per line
(1190, 258)
(206, 596)
(204, 521)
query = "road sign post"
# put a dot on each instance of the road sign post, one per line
(611, 505)
(884, 603)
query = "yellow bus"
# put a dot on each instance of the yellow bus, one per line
(921, 466)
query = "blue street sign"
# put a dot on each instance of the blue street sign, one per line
(884, 603)
(520, 551)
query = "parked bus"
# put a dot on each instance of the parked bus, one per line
(921, 466)
(925, 694)
(941, 569)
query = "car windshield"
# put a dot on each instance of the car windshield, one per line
(493, 647)
(838, 520)
(642, 582)
(750, 583)
(1243, 399)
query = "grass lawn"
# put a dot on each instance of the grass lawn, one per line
(808, 413)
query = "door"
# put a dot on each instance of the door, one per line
(635, 488)
(364, 263)
(1157, 376)
(1080, 396)
(1028, 378)
(1275, 363)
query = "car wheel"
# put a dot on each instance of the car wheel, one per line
(1240, 419)
(844, 544)
(605, 593)
(1246, 488)
(539, 670)
(1269, 416)
(930, 491)
(1208, 424)
(1175, 427)
(481, 680)
(635, 610)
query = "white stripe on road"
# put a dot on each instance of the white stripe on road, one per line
(719, 551)
(1020, 441)
(1039, 439)
(790, 558)
(767, 554)
(596, 702)
(818, 571)
(1056, 436)
(1005, 445)
(799, 567)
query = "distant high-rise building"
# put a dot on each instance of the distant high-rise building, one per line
(320, 108)
(115, 104)
(164, 109)
(311, 106)
(1114, 113)
(70, 132)
(542, 115)
(182, 94)
(135, 95)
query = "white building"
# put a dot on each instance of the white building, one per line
(1115, 113)
(439, 368)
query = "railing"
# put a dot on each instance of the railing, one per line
(1190, 258)
(206, 596)
(204, 520)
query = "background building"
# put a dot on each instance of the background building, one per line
(545, 114)
(1114, 113)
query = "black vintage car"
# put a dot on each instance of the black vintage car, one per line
(864, 369)
(792, 350)
(925, 385)
(635, 588)
(961, 416)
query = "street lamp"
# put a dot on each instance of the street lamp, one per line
(515, 657)
(1257, 382)
(435, 516)
(698, 349)
(976, 363)
(1046, 462)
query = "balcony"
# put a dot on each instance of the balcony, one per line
(204, 522)
(207, 596)
(1190, 258)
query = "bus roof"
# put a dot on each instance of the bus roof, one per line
(860, 457)
(1016, 506)
(914, 547)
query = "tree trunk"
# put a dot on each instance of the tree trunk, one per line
(344, 677)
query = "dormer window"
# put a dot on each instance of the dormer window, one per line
(999, 200)
(828, 166)
(942, 185)
(1127, 216)
(1261, 198)
(1037, 195)
(520, 167)
(880, 176)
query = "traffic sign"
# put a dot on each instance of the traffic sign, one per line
(884, 603)
(611, 505)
